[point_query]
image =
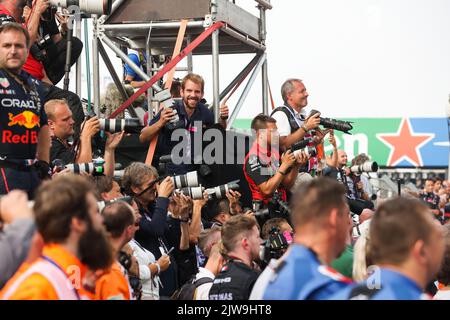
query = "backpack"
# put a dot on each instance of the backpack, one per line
(188, 290)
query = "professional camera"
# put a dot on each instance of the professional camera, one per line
(220, 192)
(131, 125)
(95, 167)
(369, 166)
(278, 207)
(344, 126)
(99, 7)
(303, 145)
(103, 204)
(276, 245)
(189, 179)
(203, 169)
(195, 193)
(38, 49)
(166, 101)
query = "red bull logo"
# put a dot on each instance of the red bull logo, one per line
(25, 119)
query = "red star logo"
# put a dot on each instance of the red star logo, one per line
(405, 144)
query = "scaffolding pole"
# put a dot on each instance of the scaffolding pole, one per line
(96, 66)
(244, 95)
(264, 68)
(79, 65)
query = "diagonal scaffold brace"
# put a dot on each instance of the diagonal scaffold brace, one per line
(194, 44)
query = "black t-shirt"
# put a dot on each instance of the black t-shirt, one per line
(186, 259)
(192, 129)
(22, 115)
(60, 151)
(234, 282)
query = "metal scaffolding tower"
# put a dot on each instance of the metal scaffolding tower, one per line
(214, 27)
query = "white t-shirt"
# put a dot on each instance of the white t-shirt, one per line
(202, 292)
(150, 286)
(284, 129)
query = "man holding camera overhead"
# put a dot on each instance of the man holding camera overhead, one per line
(189, 114)
(292, 123)
(25, 138)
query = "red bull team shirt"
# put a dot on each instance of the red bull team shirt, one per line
(22, 115)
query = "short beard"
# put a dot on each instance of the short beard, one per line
(186, 101)
(95, 250)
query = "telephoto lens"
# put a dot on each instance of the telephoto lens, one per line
(220, 192)
(132, 125)
(195, 193)
(189, 179)
(369, 166)
(103, 204)
(90, 168)
(99, 7)
(340, 125)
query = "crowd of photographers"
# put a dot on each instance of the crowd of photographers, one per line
(81, 230)
(313, 231)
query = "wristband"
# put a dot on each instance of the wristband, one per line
(158, 267)
(282, 173)
(304, 128)
(184, 220)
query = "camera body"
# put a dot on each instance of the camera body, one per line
(303, 145)
(276, 244)
(166, 101)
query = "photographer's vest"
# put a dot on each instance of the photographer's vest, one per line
(295, 124)
(290, 114)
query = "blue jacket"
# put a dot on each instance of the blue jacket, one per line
(384, 284)
(303, 277)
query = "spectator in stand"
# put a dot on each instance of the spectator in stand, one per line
(430, 198)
